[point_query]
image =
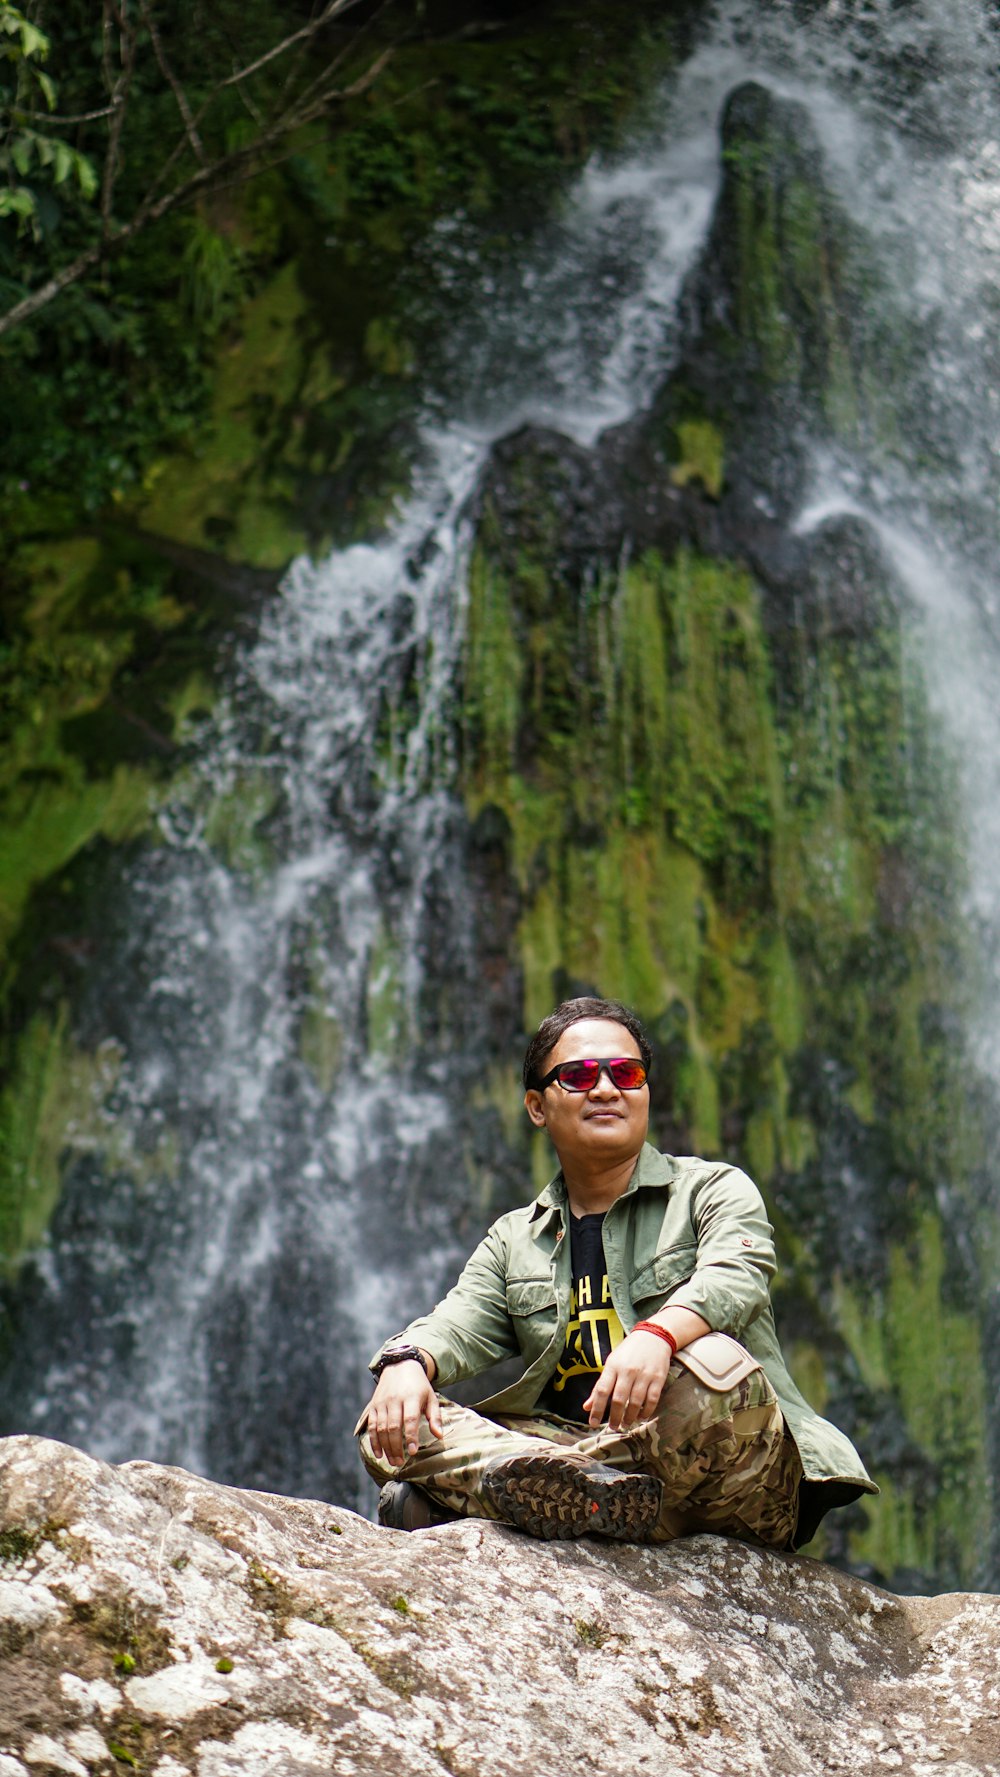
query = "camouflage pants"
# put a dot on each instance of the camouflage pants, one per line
(726, 1459)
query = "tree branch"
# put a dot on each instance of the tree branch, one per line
(53, 287)
(118, 92)
(330, 12)
(78, 117)
(197, 145)
(241, 161)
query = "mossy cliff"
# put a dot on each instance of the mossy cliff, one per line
(800, 341)
(701, 747)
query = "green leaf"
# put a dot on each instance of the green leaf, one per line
(63, 162)
(22, 149)
(47, 86)
(19, 202)
(33, 41)
(86, 174)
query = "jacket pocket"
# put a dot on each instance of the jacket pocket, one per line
(529, 1295)
(531, 1304)
(664, 1272)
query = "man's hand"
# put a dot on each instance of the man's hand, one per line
(402, 1398)
(632, 1381)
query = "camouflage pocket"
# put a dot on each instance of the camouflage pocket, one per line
(718, 1361)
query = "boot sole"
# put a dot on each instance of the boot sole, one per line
(551, 1499)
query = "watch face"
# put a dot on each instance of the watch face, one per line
(398, 1354)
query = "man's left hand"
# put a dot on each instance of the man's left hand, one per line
(632, 1381)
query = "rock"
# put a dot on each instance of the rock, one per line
(198, 1631)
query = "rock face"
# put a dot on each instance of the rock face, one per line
(154, 1621)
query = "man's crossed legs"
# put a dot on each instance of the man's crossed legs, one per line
(709, 1460)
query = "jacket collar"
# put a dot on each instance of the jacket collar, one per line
(652, 1170)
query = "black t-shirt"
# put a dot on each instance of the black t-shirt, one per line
(594, 1328)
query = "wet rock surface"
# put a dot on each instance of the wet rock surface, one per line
(155, 1621)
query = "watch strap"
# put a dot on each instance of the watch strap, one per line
(399, 1354)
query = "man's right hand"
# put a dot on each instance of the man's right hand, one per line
(404, 1395)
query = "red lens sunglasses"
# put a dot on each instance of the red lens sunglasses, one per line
(582, 1076)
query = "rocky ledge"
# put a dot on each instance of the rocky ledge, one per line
(152, 1621)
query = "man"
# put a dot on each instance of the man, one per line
(654, 1400)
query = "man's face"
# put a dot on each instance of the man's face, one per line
(605, 1123)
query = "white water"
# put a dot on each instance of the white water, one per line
(295, 1174)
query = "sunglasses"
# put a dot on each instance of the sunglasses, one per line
(582, 1076)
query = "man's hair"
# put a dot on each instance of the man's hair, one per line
(570, 1012)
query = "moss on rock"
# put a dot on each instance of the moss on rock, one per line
(740, 829)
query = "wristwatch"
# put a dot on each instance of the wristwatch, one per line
(399, 1354)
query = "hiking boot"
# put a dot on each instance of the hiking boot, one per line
(401, 1506)
(552, 1494)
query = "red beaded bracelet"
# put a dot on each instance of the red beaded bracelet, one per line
(650, 1326)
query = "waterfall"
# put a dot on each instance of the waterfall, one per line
(300, 1027)
(307, 893)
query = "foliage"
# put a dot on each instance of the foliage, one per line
(123, 365)
(29, 153)
(92, 389)
(141, 50)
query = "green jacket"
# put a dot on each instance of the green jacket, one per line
(690, 1232)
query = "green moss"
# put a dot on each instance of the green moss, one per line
(385, 997)
(679, 714)
(807, 313)
(234, 819)
(47, 822)
(321, 1042)
(493, 668)
(65, 801)
(127, 1630)
(701, 456)
(192, 701)
(935, 1360)
(53, 1110)
(702, 1111)
(18, 1544)
(808, 1366)
(761, 1143)
(219, 489)
(499, 1092)
(911, 1346)
(787, 250)
(51, 1104)
(674, 720)
(270, 1595)
(84, 748)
